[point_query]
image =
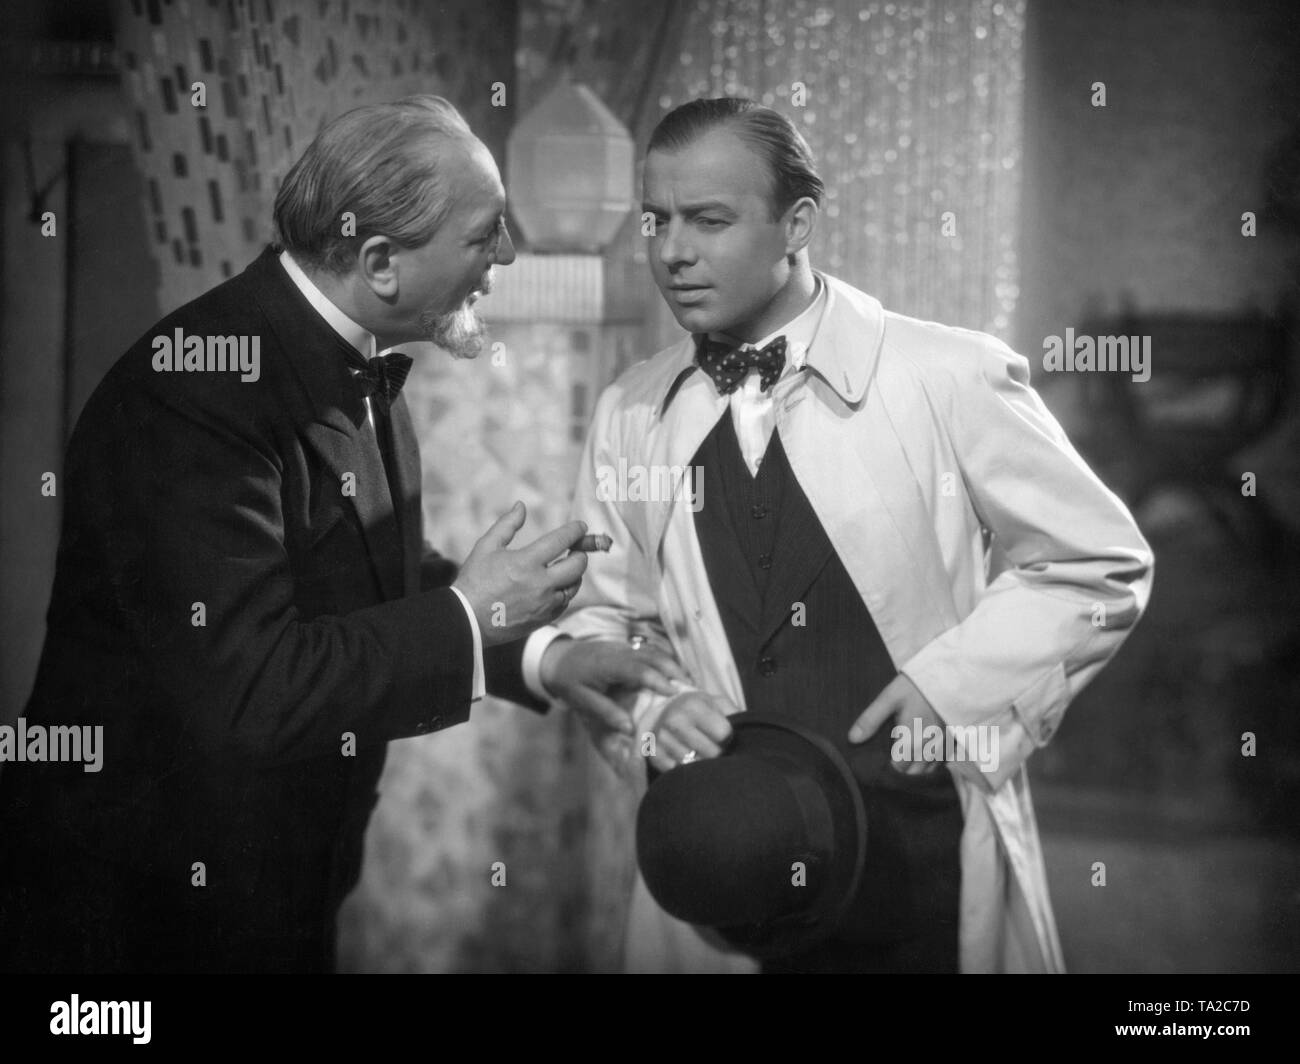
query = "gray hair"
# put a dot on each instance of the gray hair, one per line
(380, 162)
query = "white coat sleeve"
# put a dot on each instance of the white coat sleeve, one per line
(1077, 577)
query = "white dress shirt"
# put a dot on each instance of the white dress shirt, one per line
(364, 341)
(754, 413)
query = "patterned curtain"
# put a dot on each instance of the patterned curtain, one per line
(273, 72)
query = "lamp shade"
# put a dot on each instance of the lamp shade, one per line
(570, 164)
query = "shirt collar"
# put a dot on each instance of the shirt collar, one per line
(356, 335)
(799, 332)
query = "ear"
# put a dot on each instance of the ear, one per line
(800, 222)
(377, 265)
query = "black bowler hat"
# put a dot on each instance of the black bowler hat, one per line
(719, 841)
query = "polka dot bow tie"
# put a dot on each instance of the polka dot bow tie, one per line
(729, 365)
(381, 376)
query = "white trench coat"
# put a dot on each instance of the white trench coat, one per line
(1001, 573)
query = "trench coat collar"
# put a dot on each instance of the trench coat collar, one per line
(843, 352)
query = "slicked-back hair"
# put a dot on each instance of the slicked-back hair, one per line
(768, 133)
(381, 163)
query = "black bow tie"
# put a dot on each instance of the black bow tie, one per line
(382, 377)
(728, 365)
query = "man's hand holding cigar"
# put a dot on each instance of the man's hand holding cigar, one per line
(589, 675)
(514, 591)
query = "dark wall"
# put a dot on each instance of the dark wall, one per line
(1143, 198)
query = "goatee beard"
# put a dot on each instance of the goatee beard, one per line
(460, 333)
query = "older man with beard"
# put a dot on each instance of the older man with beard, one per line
(244, 600)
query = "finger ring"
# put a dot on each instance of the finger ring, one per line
(636, 642)
(690, 756)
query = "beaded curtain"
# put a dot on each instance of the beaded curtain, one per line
(913, 111)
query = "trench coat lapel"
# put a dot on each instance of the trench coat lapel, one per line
(892, 559)
(842, 447)
(691, 409)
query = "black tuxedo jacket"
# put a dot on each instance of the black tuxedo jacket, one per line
(250, 636)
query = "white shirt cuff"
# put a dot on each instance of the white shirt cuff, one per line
(480, 677)
(531, 665)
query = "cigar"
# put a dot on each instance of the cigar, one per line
(587, 544)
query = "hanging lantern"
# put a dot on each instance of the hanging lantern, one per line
(569, 163)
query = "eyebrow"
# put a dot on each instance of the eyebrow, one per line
(690, 210)
(482, 232)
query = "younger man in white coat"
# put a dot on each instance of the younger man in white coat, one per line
(878, 526)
